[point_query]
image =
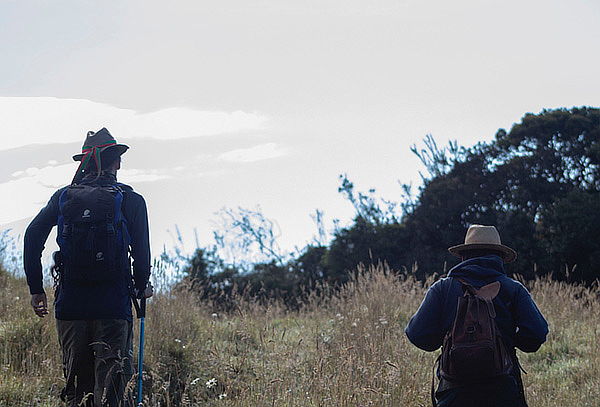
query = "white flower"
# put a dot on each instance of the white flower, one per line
(177, 340)
(214, 315)
(195, 381)
(211, 383)
(222, 396)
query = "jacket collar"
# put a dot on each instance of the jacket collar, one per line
(105, 178)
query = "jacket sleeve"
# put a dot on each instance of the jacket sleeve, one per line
(531, 327)
(140, 241)
(425, 328)
(35, 238)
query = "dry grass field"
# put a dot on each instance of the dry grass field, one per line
(343, 350)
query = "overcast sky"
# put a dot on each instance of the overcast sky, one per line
(245, 103)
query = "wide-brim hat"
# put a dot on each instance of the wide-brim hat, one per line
(101, 141)
(484, 237)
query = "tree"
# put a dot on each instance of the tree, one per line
(512, 183)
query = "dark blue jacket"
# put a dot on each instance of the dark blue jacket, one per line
(520, 321)
(100, 301)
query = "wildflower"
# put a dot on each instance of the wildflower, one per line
(195, 381)
(177, 340)
(214, 315)
(211, 383)
(222, 396)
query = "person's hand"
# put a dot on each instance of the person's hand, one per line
(148, 292)
(39, 302)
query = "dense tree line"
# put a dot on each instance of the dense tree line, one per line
(539, 183)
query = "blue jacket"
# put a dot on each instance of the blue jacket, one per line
(520, 321)
(99, 301)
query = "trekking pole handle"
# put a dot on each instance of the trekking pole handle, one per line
(140, 308)
(142, 313)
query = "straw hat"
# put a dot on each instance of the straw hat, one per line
(484, 237)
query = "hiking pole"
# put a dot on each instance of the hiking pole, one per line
(142, 317)
(140, 310)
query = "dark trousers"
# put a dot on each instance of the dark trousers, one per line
(504, 392)
(96, 361)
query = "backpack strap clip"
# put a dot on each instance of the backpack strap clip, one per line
(66, 231)
(110, 228)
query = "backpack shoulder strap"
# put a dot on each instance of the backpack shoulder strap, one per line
(124, 187)
(435, 364)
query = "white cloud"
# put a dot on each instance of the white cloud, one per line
(256, 153)
(30, 189)
(136, 175)
(67, 120)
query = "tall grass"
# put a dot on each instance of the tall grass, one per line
(347, 349)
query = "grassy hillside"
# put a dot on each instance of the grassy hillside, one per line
(348, 350)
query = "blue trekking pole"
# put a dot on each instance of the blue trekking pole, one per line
(141, 314)
(142, 317)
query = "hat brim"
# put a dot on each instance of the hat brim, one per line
(122, 148)
(509, 255)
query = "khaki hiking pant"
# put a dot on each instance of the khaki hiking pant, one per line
(97, 361)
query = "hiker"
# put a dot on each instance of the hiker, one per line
(474, 302)
(100, 221)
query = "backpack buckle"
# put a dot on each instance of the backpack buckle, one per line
(66, 232)
(110, 228)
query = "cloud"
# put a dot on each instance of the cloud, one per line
(252, 154)
(67, 120)
(30, 189)
(136, 175)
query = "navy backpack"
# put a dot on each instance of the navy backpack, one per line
(92, 234)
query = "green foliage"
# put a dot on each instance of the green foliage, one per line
(569, 232)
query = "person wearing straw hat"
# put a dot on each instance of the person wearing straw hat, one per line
(92, 302)
(519, 320)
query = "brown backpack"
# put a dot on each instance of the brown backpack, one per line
(473, 349)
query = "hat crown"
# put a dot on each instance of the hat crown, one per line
(481, 234)
(480, 237)
(98, 138)
(98, 142)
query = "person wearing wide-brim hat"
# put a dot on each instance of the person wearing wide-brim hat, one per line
(520, 322)
(100, 219)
